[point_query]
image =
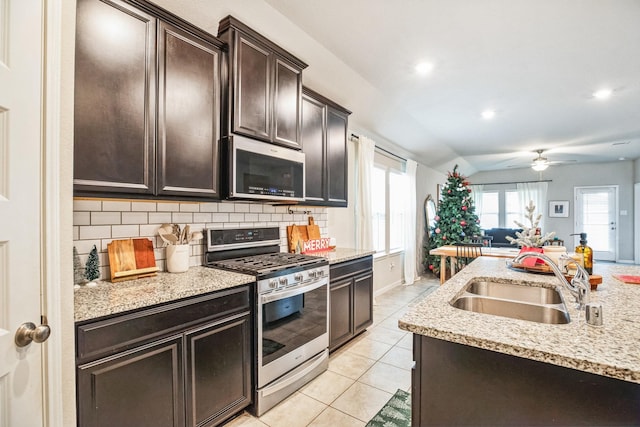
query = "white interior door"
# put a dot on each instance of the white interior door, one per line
(596, 214)
(21, 383)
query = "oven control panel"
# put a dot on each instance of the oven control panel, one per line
(293, 280)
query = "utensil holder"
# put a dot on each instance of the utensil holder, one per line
(177, 258)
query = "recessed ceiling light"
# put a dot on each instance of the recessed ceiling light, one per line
(424, 68)
(488, 114)
(602, 94)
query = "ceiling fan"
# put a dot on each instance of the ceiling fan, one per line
(541, 163)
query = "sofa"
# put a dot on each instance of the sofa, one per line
(500, 236)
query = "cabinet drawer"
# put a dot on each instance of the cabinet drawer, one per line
(109, 336)
(349, 268)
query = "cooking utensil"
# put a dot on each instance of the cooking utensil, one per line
(185, 234)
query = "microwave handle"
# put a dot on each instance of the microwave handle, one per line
(293, 292)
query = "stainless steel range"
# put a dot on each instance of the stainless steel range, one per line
(292, 299)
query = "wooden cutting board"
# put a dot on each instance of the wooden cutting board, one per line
(313, 231)
(295, 234)
(143, 249)
(131, 259)
(302, 233)
(122, 256)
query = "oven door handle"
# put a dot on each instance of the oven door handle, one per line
(297, 291)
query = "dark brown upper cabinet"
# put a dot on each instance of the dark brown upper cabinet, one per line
(324, 142)
(147, 103)
(115, 79)
(188, 114)
(264, 87)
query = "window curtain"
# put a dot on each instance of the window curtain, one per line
(364, 170)
(536, 191)
(476, 196)
(410, 225)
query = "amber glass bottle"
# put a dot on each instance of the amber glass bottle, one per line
(587, 253)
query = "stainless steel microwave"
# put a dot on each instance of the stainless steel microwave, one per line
(261, 171)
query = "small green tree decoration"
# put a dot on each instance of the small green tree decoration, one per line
(92, 268)
(529, 236)
(455, 220)
(78, 270)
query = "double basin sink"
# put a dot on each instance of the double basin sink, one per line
(516, 301)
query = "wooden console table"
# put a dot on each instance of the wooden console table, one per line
(450, 251)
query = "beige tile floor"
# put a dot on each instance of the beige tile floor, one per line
(362, 375)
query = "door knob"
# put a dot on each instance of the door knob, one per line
(28, 332)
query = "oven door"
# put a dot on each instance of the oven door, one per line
(293, 327)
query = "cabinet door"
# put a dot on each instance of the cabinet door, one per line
(362, 302)
(252, 89)
(313, 146)
(337, 158)
(286, 108)
(188, 114)
(218, 373)
(138, 388)
(341, 304)
(114, 116)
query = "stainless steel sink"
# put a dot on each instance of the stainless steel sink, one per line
(532, 303)
(529, 294)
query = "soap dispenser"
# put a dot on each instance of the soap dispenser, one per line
(586, 252)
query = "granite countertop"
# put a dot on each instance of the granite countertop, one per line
(111, 298)
(611, 350)
(343, 254)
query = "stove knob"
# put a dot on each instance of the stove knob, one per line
(273, 283)
(298, 277)
(321, 273)
(283, 281)
(313, 274)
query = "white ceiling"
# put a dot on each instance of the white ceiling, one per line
(535, 62)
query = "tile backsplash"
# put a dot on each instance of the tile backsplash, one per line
(98, 222)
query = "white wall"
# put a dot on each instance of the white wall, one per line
(427, 181)
(341, 221)
(563, 180)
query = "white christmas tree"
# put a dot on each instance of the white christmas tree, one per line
(529, 236)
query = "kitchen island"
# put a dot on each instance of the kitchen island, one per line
(489, 363)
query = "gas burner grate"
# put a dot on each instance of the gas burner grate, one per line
(266, 263)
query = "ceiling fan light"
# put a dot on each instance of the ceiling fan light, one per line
(602, 94)
(539, 166)
(488, 114)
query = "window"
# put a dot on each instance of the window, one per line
(388, 204)
(397, 216)
(513, 209)
(378, 206)
(500, 205)
(490, 215)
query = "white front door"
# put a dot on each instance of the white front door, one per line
(596, 214)
(21, 384)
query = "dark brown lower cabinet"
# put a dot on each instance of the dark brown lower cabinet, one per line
(141, 387)
(190, 364)
(456, 384)
(351, 299)
(218, 366)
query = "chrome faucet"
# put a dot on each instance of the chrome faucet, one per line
(579, 287)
